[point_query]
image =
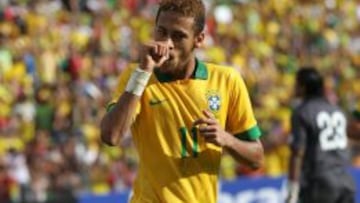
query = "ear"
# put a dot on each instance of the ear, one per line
(199, 40)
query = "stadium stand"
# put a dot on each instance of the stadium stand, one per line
(59, 62)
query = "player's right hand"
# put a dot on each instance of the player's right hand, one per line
(153, 54)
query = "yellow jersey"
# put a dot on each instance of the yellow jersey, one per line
(176, 164)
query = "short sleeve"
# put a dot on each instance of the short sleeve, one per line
(241, 121)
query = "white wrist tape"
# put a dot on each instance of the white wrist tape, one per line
(137, 82)
(293, 191)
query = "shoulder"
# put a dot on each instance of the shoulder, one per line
(226, 71)
(301, 109)
(217, 68)
(313, 107)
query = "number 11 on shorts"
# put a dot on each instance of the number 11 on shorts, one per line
(195, 148)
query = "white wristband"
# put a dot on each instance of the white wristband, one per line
(293, 191)
(137, 82)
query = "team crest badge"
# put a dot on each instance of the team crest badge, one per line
(214, 101)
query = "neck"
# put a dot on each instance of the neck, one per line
(185, 72)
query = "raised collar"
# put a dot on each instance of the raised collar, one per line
(200, 72)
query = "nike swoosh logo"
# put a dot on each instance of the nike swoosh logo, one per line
(154, 102)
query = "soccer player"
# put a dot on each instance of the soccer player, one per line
(319, 146)
(182, 112)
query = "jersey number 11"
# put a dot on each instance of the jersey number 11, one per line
(195, 148)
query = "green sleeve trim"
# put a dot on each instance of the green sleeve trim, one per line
(110, 107)
(356, 114)
(250, 135)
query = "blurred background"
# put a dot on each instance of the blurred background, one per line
(60, 59)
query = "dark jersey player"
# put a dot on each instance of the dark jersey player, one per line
(319, 158)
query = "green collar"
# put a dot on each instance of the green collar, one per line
(200, 72)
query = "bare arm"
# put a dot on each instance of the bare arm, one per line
(295, 164)
(250, 153)
(298, 147)
(117, 122)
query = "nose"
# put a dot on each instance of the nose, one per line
(170, 43)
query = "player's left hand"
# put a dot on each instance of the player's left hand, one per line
(211, 130)
(293, 192)
(291, 199)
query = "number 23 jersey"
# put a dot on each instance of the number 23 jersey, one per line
(320, 128)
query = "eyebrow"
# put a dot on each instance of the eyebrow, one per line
(177, 31)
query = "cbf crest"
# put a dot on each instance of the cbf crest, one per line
(213, 101)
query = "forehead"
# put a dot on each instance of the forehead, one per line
(175, 21)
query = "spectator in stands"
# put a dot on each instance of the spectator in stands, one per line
(275, 38)
(6, 184)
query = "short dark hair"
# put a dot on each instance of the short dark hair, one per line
(188, 8)
(311, 80)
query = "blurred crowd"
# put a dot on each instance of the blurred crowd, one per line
(60, 59)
